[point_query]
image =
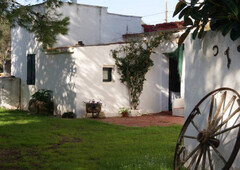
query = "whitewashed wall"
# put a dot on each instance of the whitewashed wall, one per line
(90, 24)
(204, 72)
(77, 78)
(94, 25)
(114, 94)
(54, 72)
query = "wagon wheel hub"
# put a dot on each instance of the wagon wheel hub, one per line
(204, 138)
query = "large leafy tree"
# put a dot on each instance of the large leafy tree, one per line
(45, 25)
(222, 15)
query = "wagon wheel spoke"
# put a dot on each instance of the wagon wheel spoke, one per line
(223, 97)
(182, 148)
(226, 120)
(204, 157)
(210, 111)
(189, 156)
(231, 102)
(223, 131)
(193, 160)
(210, 158)
(194, 124)
(190, 137)
(218, 153)
(213, 123)
(199, 159)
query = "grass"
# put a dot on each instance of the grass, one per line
(38, 142)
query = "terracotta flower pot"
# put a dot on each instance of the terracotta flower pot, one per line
(124, 114)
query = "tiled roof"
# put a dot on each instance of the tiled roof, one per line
(163, 26)
(154, 29)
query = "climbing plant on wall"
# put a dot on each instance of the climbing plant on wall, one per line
(133, 62)
(222, 15)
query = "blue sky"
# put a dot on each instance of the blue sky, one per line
(151, 10)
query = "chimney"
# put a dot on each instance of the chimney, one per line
(80, 43)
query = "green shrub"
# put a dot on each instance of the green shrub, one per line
(42, 95)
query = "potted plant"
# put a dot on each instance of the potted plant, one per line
(41, 102)
(124, 112)
(93, 107)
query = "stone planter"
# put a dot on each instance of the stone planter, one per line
(94, 108)
(135, 113)
(40, 107)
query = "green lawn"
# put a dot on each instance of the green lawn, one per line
(38, 142)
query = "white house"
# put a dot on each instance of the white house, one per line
(79, 76)
(205, 69)
(93, 24)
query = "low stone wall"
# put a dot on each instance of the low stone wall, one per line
(10, 95)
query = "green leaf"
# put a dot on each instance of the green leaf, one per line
(196, 23)
(195, 14)
(227, 27)
(232, 6)
(235, 33)
(195, 32)
(201, 33)
(193, 2)
(187, 21)
(215, 24)
(220, 17)
(180, 5)
(183, 37)
(214, 3)
(184, 12)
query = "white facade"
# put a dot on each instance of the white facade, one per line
(205, 72)
(114, 94)
(77, 78)
(94, 25)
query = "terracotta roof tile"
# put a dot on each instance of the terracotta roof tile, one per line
(163, 26)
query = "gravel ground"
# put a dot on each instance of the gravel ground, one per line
(157, 119)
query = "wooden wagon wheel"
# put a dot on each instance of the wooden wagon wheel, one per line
(210, 137)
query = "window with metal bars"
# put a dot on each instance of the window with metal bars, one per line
(107, 74)
(31, 69)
